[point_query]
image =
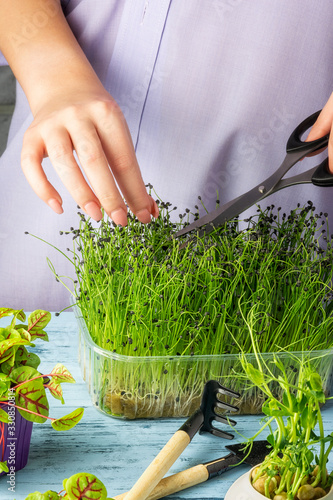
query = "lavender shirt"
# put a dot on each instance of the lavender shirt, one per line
(211, 90)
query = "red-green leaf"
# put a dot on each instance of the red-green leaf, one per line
(4, 417)
(55, 389)
(24, 334)
(5, 383)
(23, 374)
(68, 421)
(7, 311)
(60, 374)
(10, 333)
(3, 467)
(85, 486)
(31, 394)
(6, 345)
(48, 495)
(33, 360)
(40, 334)
(21, 355)
(38, 320)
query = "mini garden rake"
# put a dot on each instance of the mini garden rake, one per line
(200, 421)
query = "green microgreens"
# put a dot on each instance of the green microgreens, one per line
(141, 295)
(296, 465)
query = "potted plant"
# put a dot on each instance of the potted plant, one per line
(23, 389)
(157, 320)
(295, 465)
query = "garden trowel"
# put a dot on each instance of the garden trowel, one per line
(239, 453)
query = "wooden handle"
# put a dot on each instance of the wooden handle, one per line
(176, 482)
(159, 466)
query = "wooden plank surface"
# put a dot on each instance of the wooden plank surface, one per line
(117, 451)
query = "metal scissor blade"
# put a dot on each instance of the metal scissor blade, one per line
(206, 219)
(222, 214)
(228, 211)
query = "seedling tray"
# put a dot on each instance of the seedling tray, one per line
(133, 387)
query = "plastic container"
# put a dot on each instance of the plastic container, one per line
(161, 386)
(243, 490)
(15, 441)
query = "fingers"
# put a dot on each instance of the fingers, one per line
(60, 151)
(118, 147)
(107, 169)
(324, 126)
(31, 160)
(95, 165)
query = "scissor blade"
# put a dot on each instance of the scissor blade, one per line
(239, 205)
(222, 214)
(228, 211)
(207, 218)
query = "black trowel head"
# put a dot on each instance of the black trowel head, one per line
(254, 455)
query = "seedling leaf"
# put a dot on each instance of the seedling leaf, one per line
(55, 389)
(4, 417)
(48, 495)
(316, 382)
(7, 311)
(3, 467)
(5, 345)
(38, 320)
(69, 421)
(255, 375)
(31, 394)
(85, 485)
(60, 374)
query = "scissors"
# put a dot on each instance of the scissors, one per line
(296, 150)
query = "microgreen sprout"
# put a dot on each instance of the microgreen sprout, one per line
(296, 465)
(142, 295)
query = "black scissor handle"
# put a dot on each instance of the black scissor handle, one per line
(295, 142)
(322, 176)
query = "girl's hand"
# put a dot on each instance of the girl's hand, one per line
(90, 123)
(72, 112)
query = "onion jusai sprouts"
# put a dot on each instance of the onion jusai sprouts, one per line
(141, 295)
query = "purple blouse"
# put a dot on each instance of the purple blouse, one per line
(211, 91)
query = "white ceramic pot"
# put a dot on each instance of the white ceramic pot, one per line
(243, 490)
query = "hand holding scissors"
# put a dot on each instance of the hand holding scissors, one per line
(296, 150)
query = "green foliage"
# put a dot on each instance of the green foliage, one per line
(19, 376)
(299, 430)
(80, 486)
(140, 294)
(48, 495)
(85, 484)
(69, 421)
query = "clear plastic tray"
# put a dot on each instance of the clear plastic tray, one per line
(161, 386)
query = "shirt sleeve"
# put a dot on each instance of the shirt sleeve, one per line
(3, 61)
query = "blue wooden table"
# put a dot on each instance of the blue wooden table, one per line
(117, 451)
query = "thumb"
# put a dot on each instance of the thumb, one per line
(323, 126)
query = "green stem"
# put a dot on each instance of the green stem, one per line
(28, 411)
